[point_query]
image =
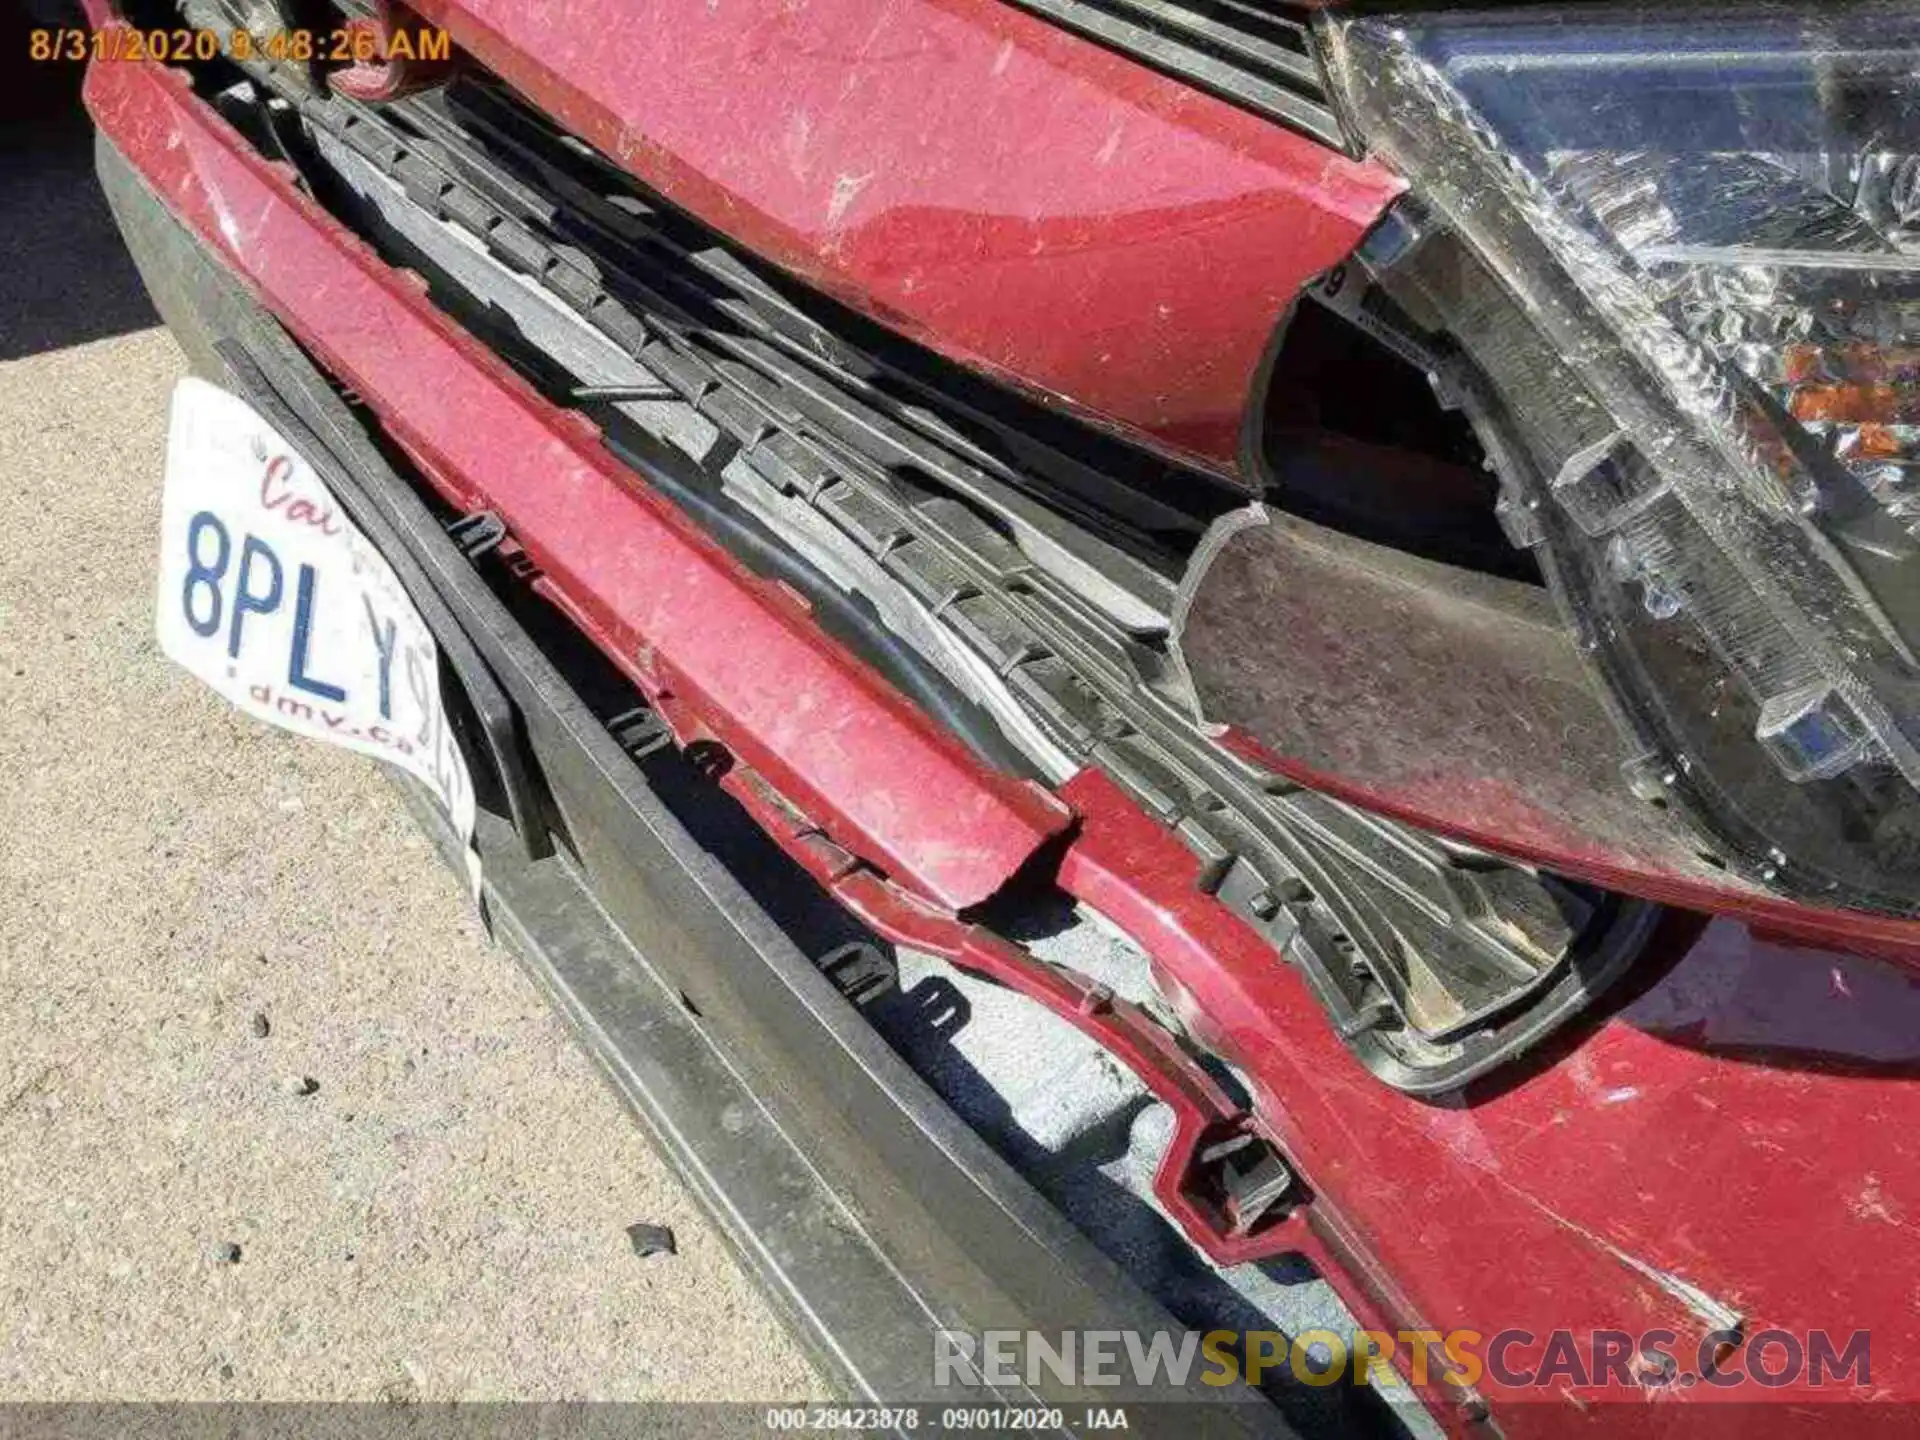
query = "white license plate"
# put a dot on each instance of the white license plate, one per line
(272, 597)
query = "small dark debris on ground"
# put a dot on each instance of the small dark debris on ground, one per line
(651, 1240)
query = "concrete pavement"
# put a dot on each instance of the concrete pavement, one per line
(443, 1217)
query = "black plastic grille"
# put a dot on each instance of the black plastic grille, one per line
(1258, 56)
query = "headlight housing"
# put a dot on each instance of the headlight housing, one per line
(1680, 250)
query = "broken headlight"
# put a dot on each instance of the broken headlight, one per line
(1680, 249)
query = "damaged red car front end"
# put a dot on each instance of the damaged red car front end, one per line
(1427, 574)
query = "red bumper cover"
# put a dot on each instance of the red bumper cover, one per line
(1743, 1138)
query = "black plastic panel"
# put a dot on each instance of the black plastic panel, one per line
(1258, 56)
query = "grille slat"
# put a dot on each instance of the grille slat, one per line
(1236, 31)
(1257, 58)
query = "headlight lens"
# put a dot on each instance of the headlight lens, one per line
(1682, 247)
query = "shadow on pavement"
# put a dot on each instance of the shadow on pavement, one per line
(65, 276)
